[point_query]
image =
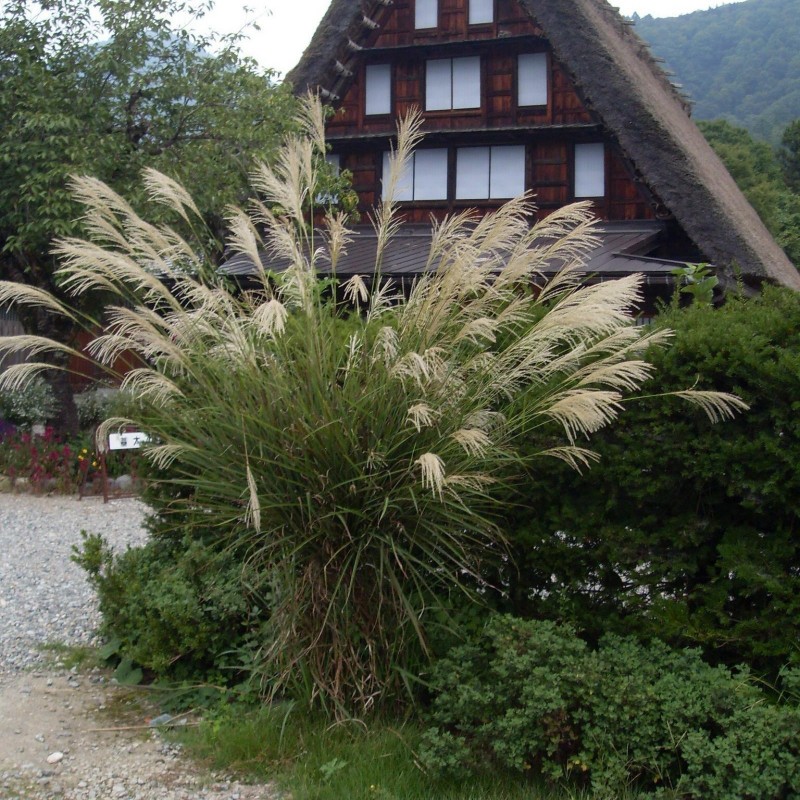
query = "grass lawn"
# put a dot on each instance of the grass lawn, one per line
(314, 760)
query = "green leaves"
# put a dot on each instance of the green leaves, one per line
(698, 281)
(533, 697)
(684, 530)
(757, 170)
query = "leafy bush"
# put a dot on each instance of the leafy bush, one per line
(683, 530)
(31, 404)
(178, 606)
(532, 696)
(95, 405)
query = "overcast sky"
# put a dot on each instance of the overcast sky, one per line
(287, 25)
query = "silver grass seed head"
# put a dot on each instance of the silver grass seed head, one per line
(270, 318)
(432, 472)
(421, 415)
(474, 441)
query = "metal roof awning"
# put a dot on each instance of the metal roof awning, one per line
(623, 249)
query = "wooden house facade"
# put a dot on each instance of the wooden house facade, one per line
(559, 98)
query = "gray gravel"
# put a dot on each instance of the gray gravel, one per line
(58, 738)
(44, 597)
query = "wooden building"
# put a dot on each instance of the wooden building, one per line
(557, 97)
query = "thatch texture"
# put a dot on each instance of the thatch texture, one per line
(341, 23)
(618, 79)
(622, 84)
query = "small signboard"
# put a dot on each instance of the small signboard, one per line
(130, 440)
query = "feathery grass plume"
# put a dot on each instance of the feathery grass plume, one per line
(432, 471)
(34, 345)
(355, 291)
(270, 317)
(421, 415)
(385, 218)
(167, 191)
(243, 238)
(717, 406)
(21, 294)
(359, 459)
(18, 376)
(337, 237)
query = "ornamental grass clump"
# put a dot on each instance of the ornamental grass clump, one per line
(354, 440)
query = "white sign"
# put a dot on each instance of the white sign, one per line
(130, 440)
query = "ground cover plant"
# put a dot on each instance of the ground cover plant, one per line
(352, 447)
(312, 760)
(533, 696)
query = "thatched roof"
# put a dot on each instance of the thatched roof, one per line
(619, 80)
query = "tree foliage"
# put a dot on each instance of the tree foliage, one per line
(739, 61)
(789, 155)
(683, 530)
(109, 88)
(762, 175)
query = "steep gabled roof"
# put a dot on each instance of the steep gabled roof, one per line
(619, 80)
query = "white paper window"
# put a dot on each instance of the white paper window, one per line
(426, 14)
(438, 84)
(472, 173)
(430, 175)
(453, 83)
(425, 177)
(467, 82)
(495, 173)
(481, 11)
(590, 170)
(532, 79)
(507, 177)
(379, 89)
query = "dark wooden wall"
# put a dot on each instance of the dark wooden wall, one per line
(549, 132)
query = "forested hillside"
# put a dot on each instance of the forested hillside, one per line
(740, 62)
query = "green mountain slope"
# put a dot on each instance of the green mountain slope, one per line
(740, 62)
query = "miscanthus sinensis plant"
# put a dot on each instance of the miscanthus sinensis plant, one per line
(356, 440)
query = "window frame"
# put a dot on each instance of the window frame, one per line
(413, 165)
(390, 66)
(490, 194)
(574, 187)
(450, 162)
(451, 107)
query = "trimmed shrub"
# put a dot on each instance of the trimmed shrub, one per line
(95, 405)
(683, 530)
(533, 697)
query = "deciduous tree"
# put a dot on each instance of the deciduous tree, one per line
(109, 88)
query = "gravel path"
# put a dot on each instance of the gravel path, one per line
(59, 737)
(44, 597)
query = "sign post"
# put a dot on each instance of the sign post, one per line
(126, 440)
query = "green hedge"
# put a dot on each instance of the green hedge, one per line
(684, 529)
